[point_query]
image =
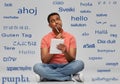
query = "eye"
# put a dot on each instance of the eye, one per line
(52, 21)
(58, 19)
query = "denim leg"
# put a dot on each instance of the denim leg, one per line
(58, 71)
(49, 71)
(72, 68)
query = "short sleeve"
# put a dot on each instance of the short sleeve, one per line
(73, 42)
(43, 43)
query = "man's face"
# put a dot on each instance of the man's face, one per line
(55, 22)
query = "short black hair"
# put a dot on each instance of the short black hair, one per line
(54, 13)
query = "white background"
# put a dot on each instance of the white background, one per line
(38, 27)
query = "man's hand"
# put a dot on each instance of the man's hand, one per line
(59, 36)
(61, 47)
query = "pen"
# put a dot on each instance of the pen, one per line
(57, 30)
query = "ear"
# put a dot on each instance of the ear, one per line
(49, 25)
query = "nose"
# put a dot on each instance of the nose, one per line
(56, 21)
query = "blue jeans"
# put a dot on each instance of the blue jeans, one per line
(60, 72)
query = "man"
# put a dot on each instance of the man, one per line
(62, 66)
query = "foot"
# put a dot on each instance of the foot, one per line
(37, 77)
(40, 78)
(77, 78)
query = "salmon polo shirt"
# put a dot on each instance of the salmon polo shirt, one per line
(69, 41)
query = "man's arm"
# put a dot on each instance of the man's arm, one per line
(45, 56)
(70, 55)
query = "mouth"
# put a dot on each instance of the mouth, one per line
(58, 26)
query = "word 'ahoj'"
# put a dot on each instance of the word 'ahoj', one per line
(25, 10)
